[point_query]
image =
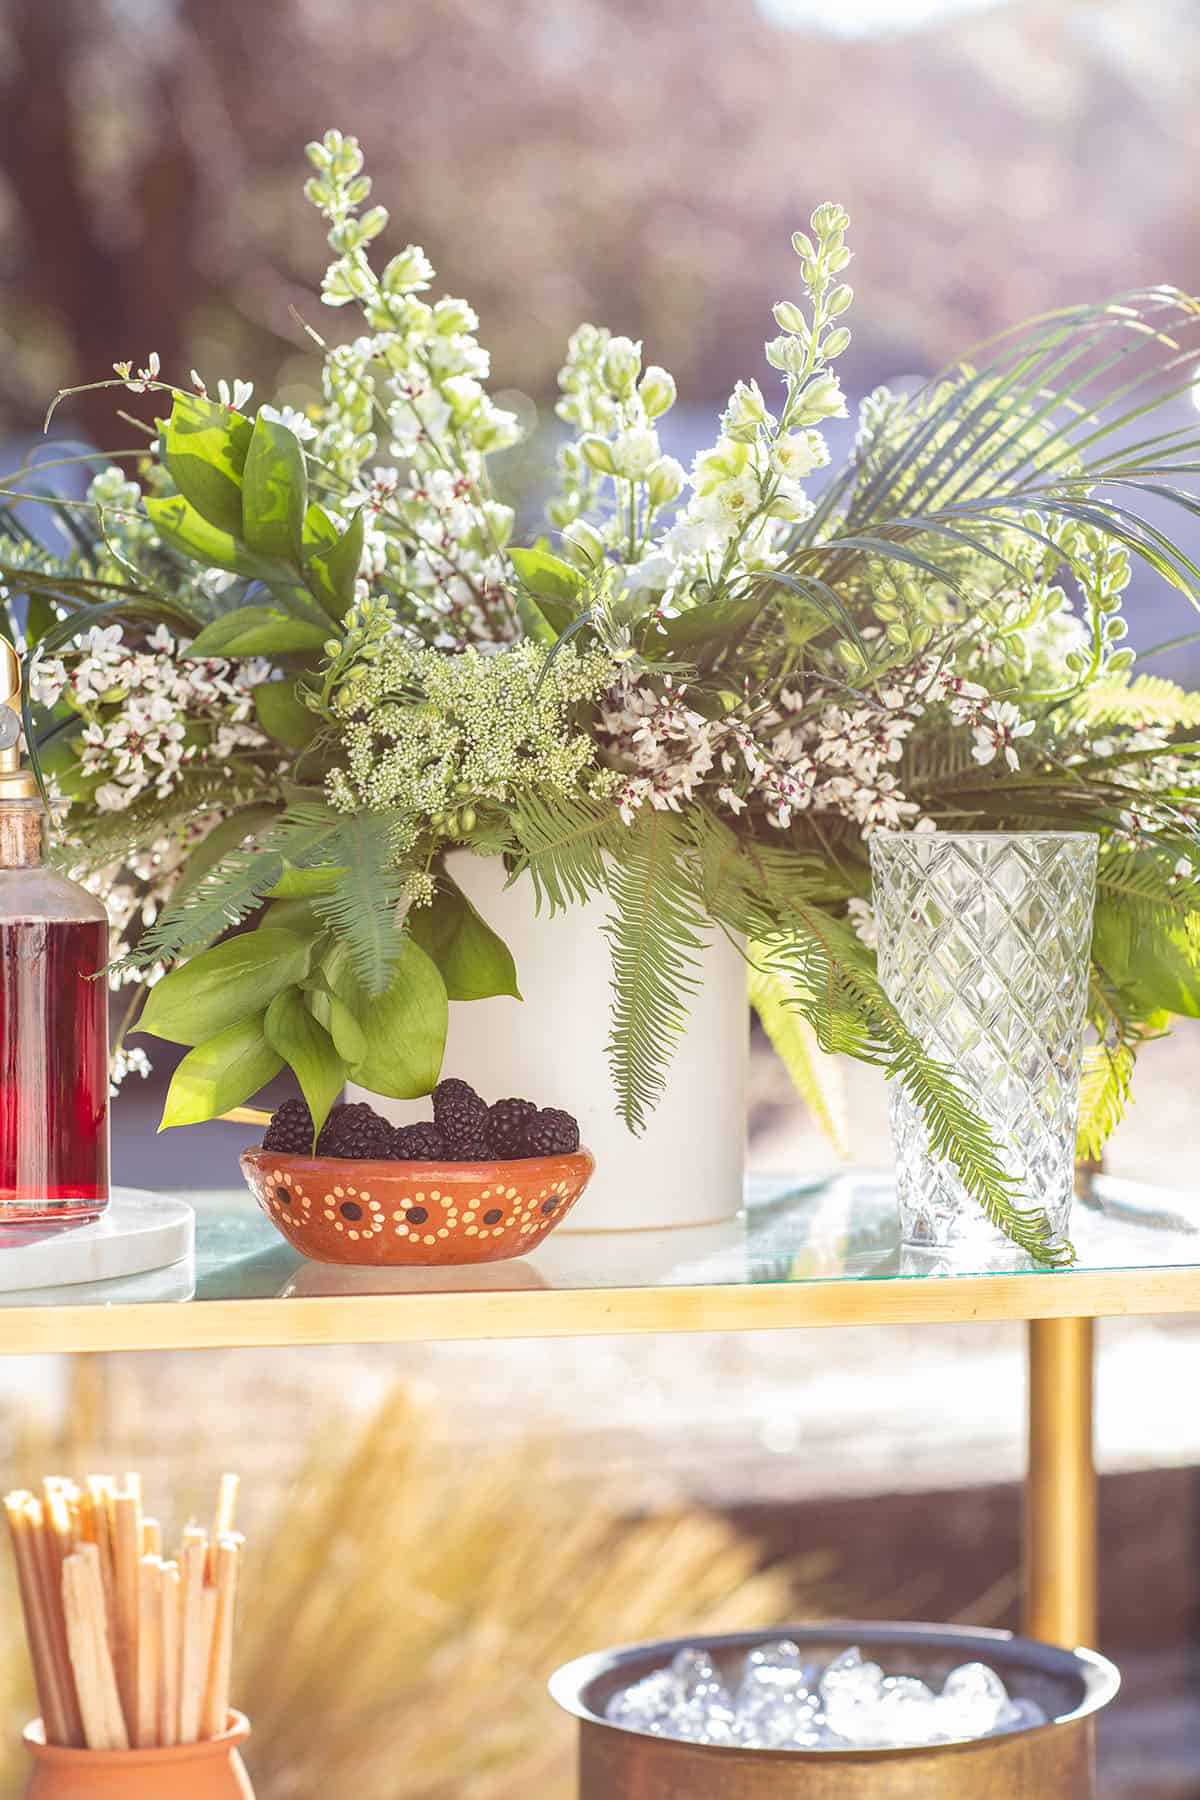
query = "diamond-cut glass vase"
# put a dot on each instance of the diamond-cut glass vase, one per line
(984, 941)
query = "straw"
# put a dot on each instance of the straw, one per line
(168, 1699)
(149, 1650)
(193, 1637)
(215, 1714)
(91, 1659)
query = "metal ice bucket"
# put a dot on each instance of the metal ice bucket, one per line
(1052, 1762)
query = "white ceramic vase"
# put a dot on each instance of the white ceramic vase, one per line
(687, 1166)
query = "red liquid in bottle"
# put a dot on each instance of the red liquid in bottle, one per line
(53, 1073)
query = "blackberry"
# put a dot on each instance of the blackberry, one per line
(458, 1113)
(506, 1126)
(551, 1132)
(290, 1130)
(418, 1143)
(472, 1148)
(355, 1132)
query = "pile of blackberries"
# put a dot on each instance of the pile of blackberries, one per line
(464, 1128)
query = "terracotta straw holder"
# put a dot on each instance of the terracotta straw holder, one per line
(212, 1770)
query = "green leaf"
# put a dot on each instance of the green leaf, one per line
(190, 533)
(257, 631)
(332, 571)
(291, 915)
(303, 884)
(350, 1040)
(547, 577)
(1151, 956)
(204, 448)
(41, 616)
(224, 985)
(553, 593)
(404, 1027)
(283, 715)
(225, 1071)
(274, 492)
(474, 962)
(309, 1052)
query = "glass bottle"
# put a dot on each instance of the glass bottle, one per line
(53, 1014)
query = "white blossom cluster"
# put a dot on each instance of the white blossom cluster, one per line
(415, 381)
(150, 713)
(806, 753)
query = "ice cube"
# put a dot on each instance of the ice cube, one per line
(696, 1721)
(1020, 1715)
(907, 1712)
(851, 1694)
(781, 1655)
(699, 1677)
(647, 1702)
(766, 1684)
(973, 1700)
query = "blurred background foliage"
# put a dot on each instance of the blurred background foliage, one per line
(640, 165)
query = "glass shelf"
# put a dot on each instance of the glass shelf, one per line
(824, 1251)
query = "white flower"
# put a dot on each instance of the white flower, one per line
(733, 801)
(821, 399)
(635, 451)
(296, 422)
(787, 353)
(124, 1063)
(238, 396)
(862, 917)
(746, 411)
(798, 454)
(665, 480)
(998, 727)
(111, 797)
(734, 502)
(139, 383)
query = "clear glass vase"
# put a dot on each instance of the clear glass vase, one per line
(984, 941)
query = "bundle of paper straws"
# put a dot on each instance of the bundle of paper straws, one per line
(129, 1651)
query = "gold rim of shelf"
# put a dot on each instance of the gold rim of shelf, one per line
(414, 1318)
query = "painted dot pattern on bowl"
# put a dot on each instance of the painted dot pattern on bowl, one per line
(414, 1213)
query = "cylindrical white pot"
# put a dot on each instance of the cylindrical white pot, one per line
(687, 1167)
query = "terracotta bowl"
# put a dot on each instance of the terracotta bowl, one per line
(403, 1213)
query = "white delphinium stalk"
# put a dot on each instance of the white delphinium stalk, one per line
(417, 379)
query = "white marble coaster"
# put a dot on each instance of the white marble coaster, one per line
(139, 1231)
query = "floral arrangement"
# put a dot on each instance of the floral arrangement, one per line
(302, 661)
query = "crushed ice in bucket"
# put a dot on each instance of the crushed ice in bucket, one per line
(783, 1703)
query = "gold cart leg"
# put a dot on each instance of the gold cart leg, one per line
(1060, 1490)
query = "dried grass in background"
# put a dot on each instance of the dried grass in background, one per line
(407, 1601)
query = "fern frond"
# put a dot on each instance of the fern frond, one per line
(303, 836)
(1147, 884)
(1137, 701)
(817, 1078)
(361, 910)
(1108, 1065)
(563, 842)
(655, 937)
